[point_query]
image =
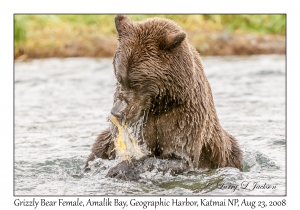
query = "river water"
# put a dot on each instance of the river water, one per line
(61, 105)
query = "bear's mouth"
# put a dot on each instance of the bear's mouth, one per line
(129, 112)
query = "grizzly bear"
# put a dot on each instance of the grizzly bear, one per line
(161, 83)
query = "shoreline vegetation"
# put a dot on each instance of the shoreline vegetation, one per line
(46, 36)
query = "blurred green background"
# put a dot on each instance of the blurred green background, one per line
(38, 36)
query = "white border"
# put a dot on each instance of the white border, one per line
(8, 8)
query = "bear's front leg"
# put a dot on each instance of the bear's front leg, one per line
(102, 148)
(131, 170)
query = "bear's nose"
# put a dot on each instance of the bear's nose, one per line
(117, 113)
(118, 109)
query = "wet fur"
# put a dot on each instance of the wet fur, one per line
(161, 76)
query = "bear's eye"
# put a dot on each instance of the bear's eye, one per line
(123, 97)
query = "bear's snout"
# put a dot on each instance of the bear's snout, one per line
(118, 109)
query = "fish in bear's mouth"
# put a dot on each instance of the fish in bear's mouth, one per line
(126, 144)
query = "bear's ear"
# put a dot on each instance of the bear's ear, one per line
(122, 24)
(173, 40)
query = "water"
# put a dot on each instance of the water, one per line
(61, 105)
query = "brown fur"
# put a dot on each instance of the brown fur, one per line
(161, 76)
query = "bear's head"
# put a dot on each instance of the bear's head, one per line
(153, 65)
